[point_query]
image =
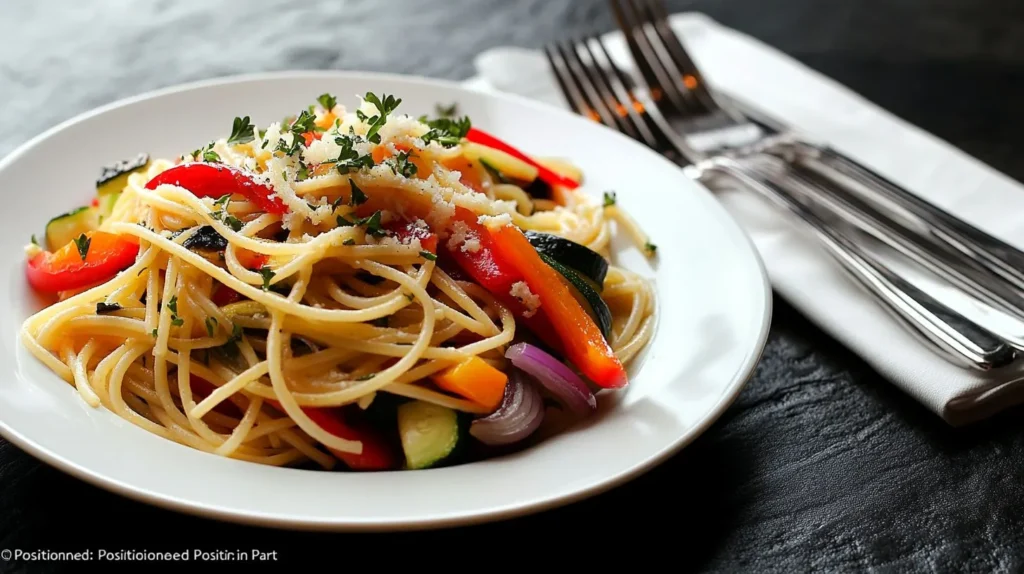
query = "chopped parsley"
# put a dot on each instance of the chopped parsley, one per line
(448, 111)
(211, 156)
(268, 276)
(400, 165)
(177, 321)
(154, 332)
(372, 224)
(327, 101)
(223, 200)
(650, 248)
(241, 131)
(172, 304)
(428, 256)
(447, 132)
(336, 203)
(410, 296)
(609, 198)
(306, 122)
(358, 197)
(82, 243)
(348, 158)
(384, 108)
(349, 241)
(303, 173)
(103, 308)
(366, 377)
(211, 325)
(34, 241)
(342, 222)
(286, 149)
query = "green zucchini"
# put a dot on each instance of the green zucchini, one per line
(106, 205)
(66, 227)
(586, 261)
(114, 177)
(429, 433)
(588, 297)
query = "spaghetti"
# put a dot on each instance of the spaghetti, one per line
(355, 286)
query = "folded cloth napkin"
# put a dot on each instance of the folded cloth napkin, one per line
(800, 271)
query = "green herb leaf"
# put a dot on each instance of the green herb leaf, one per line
(173, 304)
(34, 241)
(211, 325)
(241, 131)
(348, 158)
(303, 173)
(267, 275)
(447, 111)
(211, 156)
(609, 198)
(428, 256)
(154, 332)
(358, 197)
(177, 321)
(82, 243)
(447, 132)
(366, 377)
(349, 241)
(327, 101)
(372, 224)
(400, 164)
(342, 222)
(650, 248)
(223, 200)
(285, 148)
(306, 122)
(384, 108)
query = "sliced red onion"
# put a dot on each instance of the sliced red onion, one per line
(556, 377)
(519, 415)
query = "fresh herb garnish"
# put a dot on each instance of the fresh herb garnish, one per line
(410, 297)
(211, 325)
(289, 149)
(302, 124)
(241, 131)
(384, 108)
(349, 241)
(154, 332)
(82, 243)
(650, 248)
(342, 222)
(327, 101)
(103, 308)
(177, 321)
(366, 377)
(223, 200)
(372, 224)
(303, 172)
(211, 156)
(34, 241)
(336, 203)
(358, 197)
(267, 275)
(428, 256)
(400, 164)
(380, 322)
(173, 304)
(447, 111)
(348, 158)
(609, 198)
(447, 132)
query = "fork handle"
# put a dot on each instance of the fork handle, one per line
(952, 335)
(996, 256)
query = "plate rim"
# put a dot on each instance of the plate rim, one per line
(742, 376)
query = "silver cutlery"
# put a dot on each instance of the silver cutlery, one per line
(596, 88)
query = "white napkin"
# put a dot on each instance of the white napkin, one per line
(800, 271)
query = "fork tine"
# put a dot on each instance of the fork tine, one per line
(615, 82)
(566, 83)
(690, 74)
(599, 79)
(583, 82)
(662, 89)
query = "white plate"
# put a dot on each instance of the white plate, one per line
(714, 297)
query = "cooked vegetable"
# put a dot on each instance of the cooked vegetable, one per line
(206, 238)
(585, 346)
(549, 176)
(475, 380)
(105, 205)
(500, 161)
(66, 227)
(520, 414)
(216, 180)
(571, 254)
(429, 433)
(585, 294)
(66, 269)
(377, 453)
(114, 177)
(555, 376)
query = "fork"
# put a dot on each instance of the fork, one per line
(596, 88)
(978, 264)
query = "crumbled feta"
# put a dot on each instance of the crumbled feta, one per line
(495, 222)
(521, 291)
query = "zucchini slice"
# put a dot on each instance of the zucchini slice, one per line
(586, 261)
(429, 433)
(66, 227)
(106, 205)
(588, 297)
(114, 177)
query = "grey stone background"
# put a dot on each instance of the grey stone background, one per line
(819, 466)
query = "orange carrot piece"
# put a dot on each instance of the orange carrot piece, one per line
(475, 380)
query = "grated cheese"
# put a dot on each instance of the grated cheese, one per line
(495, 222)
(521, 291)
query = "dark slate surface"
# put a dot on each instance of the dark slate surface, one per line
(819, 466)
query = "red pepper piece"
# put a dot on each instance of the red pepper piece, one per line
(201, 388)
(223, 295)
(65, 270)
(215, 180)
(546, 175)
(377, 453)
(406, 231)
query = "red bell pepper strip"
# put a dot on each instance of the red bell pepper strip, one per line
(65, 270)
(585, 346)
(376, 455)
(406, 231)
(223, 295)
(201, 388)
(546, 175)
(215, 180)
(493, 272)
